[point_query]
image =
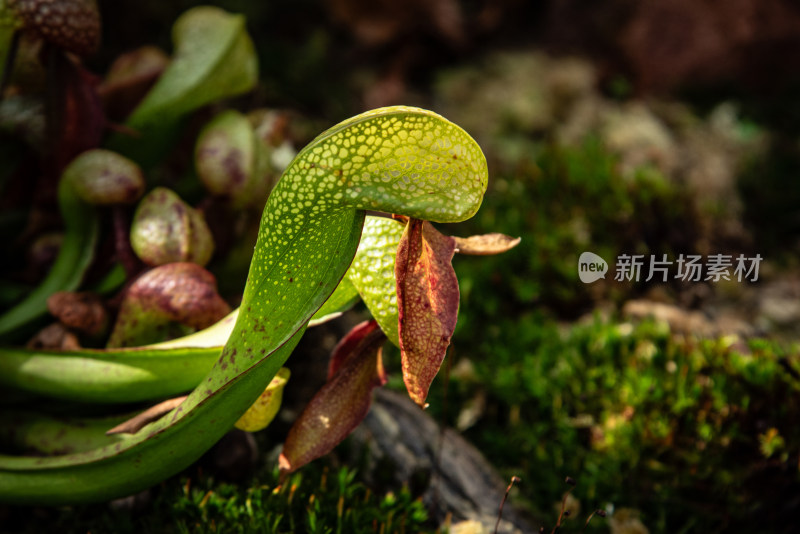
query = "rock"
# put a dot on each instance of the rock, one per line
(688, 321)
(406, 446)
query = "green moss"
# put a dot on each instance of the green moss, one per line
(694, 433)
(317, 500)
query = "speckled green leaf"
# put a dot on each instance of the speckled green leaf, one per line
(372, 271)
(398, 160)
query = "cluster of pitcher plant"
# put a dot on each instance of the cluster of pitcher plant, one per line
(136, 316)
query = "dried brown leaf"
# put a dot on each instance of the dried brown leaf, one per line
(486, 244)
(82, 311)
(134, 424)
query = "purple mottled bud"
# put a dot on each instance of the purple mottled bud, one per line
(234, 161)
(73, 25)
(165, 230)
(105, 177)
(182, 293)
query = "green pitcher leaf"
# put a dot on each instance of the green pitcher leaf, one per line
(47, 434)
(74, 257)
(372, 271)
(137, 373)
(106, 376)
(213, 59)
(398, 160)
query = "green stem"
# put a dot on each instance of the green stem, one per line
(134, 374)
(73, 259)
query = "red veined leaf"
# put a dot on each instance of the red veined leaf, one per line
(342, 403)
(427, 303)
(348, 345)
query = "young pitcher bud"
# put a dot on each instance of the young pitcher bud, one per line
(165, 230)
(73, 25)
(233, 161)
(164, 297)
(129, 78)
(104, 177)
(266, 407)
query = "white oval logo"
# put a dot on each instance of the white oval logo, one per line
(591, 267)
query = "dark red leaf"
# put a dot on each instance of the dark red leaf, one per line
(77, 122)
(342, 403)
(348, 345)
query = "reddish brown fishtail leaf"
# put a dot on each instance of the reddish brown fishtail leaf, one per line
(427, 303)
(348, 345)
(342, 403)
(485, 244)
